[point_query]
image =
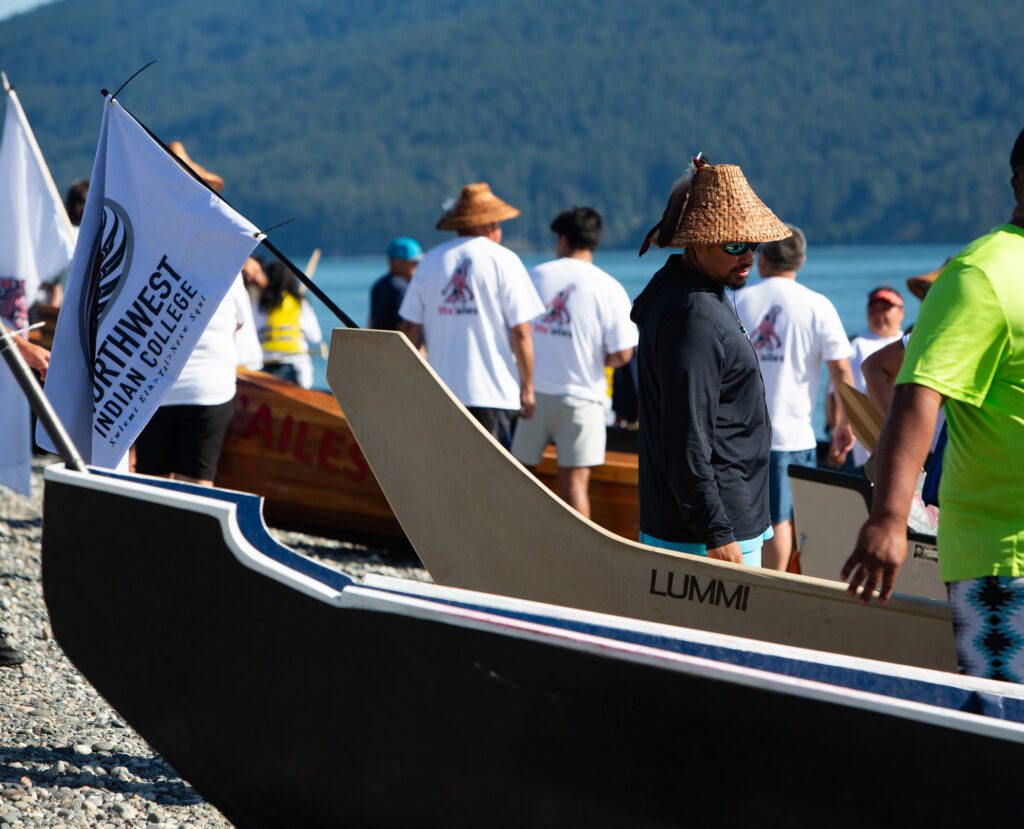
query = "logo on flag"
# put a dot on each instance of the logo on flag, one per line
(142, 292)
(112, 258)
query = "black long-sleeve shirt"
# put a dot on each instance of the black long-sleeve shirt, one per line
(705, 438)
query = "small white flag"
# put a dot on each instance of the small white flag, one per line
(157, 251)
(36, 242)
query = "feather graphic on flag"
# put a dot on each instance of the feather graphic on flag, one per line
(112, 259)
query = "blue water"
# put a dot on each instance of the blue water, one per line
(846, 275)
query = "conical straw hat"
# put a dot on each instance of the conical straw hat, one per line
(212, 179)
(719, 208)
(476, 206)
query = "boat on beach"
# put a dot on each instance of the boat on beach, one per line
(478, 520)
(295, 448)
(474, 709)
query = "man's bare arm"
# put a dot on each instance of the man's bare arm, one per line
(880, 369)
(842, 435)
(617, 359)
(902, 449)
(413, 331)
(522, 346)
(37, 357)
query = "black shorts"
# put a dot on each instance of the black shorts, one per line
(283, 371)
(185, 440)
(499, 422)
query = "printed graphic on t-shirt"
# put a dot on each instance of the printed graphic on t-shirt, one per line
(764, 338)
(556, 317)
(458, 293)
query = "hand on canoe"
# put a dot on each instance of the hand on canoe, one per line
(729, 552)
(876, 560)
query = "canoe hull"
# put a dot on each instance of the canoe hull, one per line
(483, 523)
(295, 448)
(287, 704)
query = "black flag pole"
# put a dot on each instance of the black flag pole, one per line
(315, 289)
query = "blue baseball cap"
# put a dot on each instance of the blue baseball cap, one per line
(405, 248)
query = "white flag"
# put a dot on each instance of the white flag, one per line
(157, 251)
(36, 242)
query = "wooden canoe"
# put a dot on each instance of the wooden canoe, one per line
(478, 520)
(295, 448)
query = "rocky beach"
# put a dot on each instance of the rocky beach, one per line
(66, 757)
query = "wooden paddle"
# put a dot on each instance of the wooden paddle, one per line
(314, 260)
(865, 417)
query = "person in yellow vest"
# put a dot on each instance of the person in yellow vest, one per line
(287, 327)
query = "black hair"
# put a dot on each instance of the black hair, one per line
(787, 253)
(581, 227)
(1017, 153)
(74, 200)
(280, 281)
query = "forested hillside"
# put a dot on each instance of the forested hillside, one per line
(863, 122)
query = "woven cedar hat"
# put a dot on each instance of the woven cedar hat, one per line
(212, 179)
(713, 205)
(476, 206)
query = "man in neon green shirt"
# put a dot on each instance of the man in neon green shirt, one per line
(966, 354)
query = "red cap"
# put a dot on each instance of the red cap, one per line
(885, 295)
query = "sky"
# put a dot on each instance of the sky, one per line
(12, 7)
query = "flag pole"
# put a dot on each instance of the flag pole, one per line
(37, 400)
(315, 289)
(38, 153)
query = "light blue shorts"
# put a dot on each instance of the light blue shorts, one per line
(750, 547)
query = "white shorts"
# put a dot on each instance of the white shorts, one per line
(576, 427)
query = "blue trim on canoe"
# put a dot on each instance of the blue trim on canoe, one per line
(929, 693)
(250, 521)
(249, 514)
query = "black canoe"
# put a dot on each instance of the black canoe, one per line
(289, 695)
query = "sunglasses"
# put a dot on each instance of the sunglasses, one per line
(739, 248)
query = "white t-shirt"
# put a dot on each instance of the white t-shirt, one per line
(208, 378)
(792, 329)
(864, 345)
(586, 316)
(467, 294)
(247, 342)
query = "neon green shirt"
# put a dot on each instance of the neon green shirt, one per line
(968, 345)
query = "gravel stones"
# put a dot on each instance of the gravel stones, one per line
(66, 757)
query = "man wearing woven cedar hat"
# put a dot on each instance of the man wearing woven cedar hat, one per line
(966, 356)
(704, 433)
(471, 301)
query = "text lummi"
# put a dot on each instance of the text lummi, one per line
(690, 588)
